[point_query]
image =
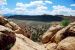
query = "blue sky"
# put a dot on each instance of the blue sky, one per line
(37, 7)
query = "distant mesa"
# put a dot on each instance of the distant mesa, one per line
(43, 18)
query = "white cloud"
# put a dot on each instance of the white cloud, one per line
(3, 2)
(33, 8)
(35, 3)
(62, 10)
(20, 5)
(36, 7)
(48, 2)
(5, 11)
(39, 10)
(72, 5)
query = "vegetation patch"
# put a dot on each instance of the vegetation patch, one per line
(64, 22)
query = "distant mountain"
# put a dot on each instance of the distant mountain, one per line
(45, 18)
(71, 18)
(7, 15)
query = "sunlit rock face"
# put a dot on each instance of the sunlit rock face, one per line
(24, 43)
(50, 33)
(67, 44)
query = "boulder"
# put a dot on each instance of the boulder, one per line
(15, 28)
(11, 25)
(51, 46)
(23, 43)
(67, 44)
(72, 30)
(50, 33)
(61, 34)
(7, 38)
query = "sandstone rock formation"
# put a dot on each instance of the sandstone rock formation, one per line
(7, 38)
(23, 43)
(61, 34)
(11, 37)
(11, 25)
(67, 44)
(50, 33)
(51, 46)
(63, 39)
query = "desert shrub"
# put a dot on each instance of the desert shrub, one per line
(65, 22)
(34, 37)
(38, 32)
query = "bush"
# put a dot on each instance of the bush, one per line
(65, 22)
(34, 37)
(38, 32)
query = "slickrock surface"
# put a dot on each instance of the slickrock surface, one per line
(23, 43)
(50, 33)
(51, 46)
(67, 44)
